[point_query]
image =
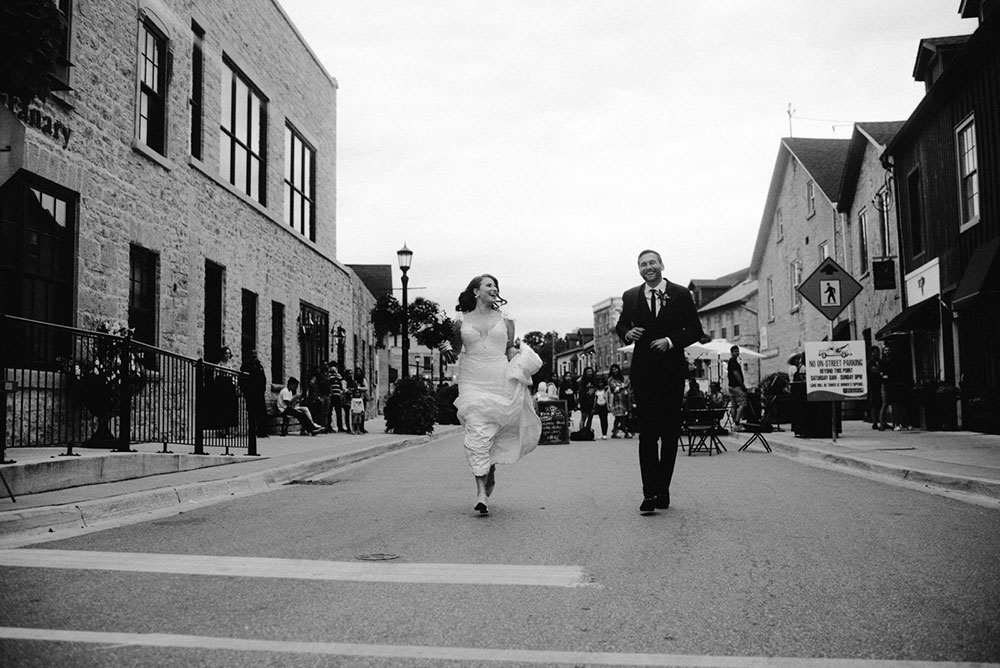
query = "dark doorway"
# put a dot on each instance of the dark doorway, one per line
(214, 278)
(248, 320)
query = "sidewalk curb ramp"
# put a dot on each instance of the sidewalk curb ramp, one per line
(87, 513)
(989, 489)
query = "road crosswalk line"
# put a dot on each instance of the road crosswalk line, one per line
(301, 569)
(467, 655)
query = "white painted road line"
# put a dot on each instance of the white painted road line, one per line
(463, 654)
(300, 569)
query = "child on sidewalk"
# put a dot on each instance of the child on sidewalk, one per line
(357, 411)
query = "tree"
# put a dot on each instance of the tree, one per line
(545, 344)
(32, 33)
(426, 321)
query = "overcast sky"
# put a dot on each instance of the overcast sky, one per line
(548, 141)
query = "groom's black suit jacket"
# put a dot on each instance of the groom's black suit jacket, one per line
(676, 318)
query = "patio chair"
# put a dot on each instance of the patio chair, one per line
(758, 427)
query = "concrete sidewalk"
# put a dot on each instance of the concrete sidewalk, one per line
(961, 462)
(112, 485)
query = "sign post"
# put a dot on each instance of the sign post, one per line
(830, 289)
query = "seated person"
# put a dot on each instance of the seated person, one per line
(694, 392)
(287, 404)
(716, 399)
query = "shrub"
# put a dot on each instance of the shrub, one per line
(411, 408)
(447, 412)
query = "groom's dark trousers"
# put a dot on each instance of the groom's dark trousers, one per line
(658, 378)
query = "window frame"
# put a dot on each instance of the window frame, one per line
(966, 218)
(146, 262)
(197, 90)
(779, 224)
(151, 105)
(795, 280)
(770, 299)
(810, 199)
(915, 212)
(252, 146)
(864, 254)
(299, 191)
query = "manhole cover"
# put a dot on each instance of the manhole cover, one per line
(377, 557)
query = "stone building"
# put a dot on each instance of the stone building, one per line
(798, 229)
(606, 341)
(184, 183)
(731, 316)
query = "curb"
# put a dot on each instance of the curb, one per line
(982, 487)
(87, 513)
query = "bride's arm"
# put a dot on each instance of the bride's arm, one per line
(511, 345)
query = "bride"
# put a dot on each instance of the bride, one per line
(494, 374)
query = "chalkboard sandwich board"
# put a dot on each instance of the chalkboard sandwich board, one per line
(555, 422)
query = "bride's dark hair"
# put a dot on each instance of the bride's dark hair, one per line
(467, 300)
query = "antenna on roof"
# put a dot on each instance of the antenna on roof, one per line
(791, 112)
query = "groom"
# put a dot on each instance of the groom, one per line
(660, 318)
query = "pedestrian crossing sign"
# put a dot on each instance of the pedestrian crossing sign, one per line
(830, 288)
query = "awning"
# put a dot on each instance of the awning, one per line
(981, 277)
(925, 315)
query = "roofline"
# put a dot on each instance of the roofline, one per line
(302, 39)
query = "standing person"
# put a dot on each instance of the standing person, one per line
(737, 389)
(288, 404)
(567, 393)
(874, 387)
(586, 385)
(357, 411)
(621, 401)
(336, 398)
(253, 384)
(349, 386)
(324, 390)
(659, 317)
(895, 379)
(362, 384)
(494, 375)
(601, 406)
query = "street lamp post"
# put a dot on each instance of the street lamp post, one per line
(405, 256)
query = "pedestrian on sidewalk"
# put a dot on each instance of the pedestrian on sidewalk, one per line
(357, 411)
(567, 393)
(601, 406)
(362, 384)
(288, 404)
(586, 386)
(895, 387)
(494, 378)
(660, 318)
(253, 385)
(336, 399)
(875, 387)
(738, 407)
(621, 401)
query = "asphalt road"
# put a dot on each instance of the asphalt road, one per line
(758, 557)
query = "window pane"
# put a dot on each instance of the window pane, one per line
(307, 219)
(254, 178)
(240, 168)
(297, 161)
(288, 154)
(227, 100)
(307, 174)
(225, 165)
(254, 139)
(241, 110)
(288, 203)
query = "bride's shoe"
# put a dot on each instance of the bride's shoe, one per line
(481, 507)
(491, 480)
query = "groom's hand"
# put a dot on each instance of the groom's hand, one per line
(663, 345)
(634, 334)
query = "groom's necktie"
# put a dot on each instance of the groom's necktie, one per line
(652, 302)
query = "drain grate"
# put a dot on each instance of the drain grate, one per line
(378, 556)
(313, 482)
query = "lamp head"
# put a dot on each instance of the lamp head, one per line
(405, 256)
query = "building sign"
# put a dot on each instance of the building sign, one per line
(830, 288)
(923, 283)
(836, 370)
(33, 116)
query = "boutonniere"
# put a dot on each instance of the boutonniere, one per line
(663, 297)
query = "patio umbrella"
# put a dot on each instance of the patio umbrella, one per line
(721, 347)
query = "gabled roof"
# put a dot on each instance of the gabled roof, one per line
(726, 281)
(967, 63)
(736, 294)
(376, 277)
(876, 134)
(823, 159)
(931, 47)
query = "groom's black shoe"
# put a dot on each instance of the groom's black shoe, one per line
(648, 505)
(662, 501)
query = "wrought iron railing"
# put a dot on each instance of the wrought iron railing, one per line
(70, 387)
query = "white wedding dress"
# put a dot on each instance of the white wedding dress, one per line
(493, 402)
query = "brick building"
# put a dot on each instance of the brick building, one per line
(185, 183)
